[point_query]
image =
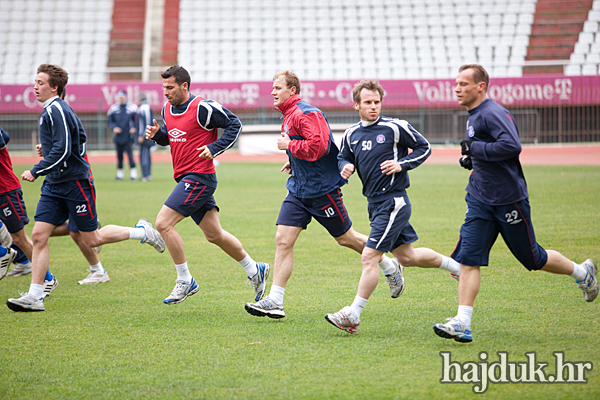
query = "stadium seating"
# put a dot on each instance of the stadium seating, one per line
(72, 33)
(349, 39)
(585, 59)
(236, 40)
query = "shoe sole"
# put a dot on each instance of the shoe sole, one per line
(349, 330)
(18, 308)
(260, 313)
(442, 333)
(193, 292)
(93, 283)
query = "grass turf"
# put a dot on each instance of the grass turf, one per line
(118, 341)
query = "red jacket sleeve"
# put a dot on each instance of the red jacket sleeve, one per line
(315, 130)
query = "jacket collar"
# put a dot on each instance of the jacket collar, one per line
(288, 104)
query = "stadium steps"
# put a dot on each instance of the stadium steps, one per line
(127, 37)
(170, 33)
(554, 32)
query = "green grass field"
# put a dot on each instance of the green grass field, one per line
(119, 341)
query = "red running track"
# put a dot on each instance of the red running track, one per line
(531, 155)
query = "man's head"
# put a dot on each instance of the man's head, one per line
(141, 97)
(50, 81)
(176, 85)
(285, 85)
(121, 97)
(367, 96)
(471, 85)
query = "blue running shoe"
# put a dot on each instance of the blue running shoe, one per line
(454, 329)
(259, 280)
(181, 291)
(589, 285)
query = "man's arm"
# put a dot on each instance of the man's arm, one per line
(316, 133)
(411, 138)
(346, 157)
(61, 143)
(507, 145)
(213, 115)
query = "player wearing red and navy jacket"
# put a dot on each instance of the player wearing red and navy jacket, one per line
(191, 129)
(497, 203)
(377, 148)
(313, 191)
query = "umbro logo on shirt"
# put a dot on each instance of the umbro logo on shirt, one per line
(175, 135)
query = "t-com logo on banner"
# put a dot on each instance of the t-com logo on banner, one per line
(485, 371)
(175, 135)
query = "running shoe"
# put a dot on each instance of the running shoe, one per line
(454, 329)
(181, 291)
(259, 280)
(152, 236)
(266, 308)
(344, 320)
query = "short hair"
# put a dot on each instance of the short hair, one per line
(141, 96)
(479, 74)
(291, 79)
(179, 73)
(369, 85)
(57, 76)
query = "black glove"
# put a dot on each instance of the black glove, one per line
(465, 162)
(465, 147)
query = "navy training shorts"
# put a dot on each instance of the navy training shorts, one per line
(328, 210)
(389, 224)
(192, 198)
(75, 200)
(12, 210)
(482, 225)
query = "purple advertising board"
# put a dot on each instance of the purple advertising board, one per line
(536, 90)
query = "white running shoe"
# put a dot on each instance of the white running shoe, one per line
(454, 329)
(19, 269)
(455, 276)
(344, 320)
(95, 277)
(266, 308)
(589, 285)
(49, 286)
(26, 302)
(133, 174)
(5, 238)
(6, 260)
(152, 237)
(396, 279)
(181, 291)
(259, 280)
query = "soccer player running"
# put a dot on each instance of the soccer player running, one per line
(497, 203)
(191, 129)
(67, 191)
(377, 148)
(313, 191)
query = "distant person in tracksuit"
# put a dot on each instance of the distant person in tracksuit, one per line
(497, 203)
(313, 192)
(142, 119)
(377, 148)
(121, 121)
(67, 190)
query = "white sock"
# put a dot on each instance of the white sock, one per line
(183, 272)
(450, 265)
(579, 272)
(276, 294)
(357, 306)
(464, 314)
(137, 233)
(249, 265)
(120, 174)
(387, 265)
(36, 290)
(97, 267)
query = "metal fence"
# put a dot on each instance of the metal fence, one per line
(439, 125)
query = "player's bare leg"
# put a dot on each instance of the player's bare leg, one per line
(165, 224)
(215, 234)
(23, 241)
(285, 239)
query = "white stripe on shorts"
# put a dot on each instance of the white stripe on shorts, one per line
(399, 203)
